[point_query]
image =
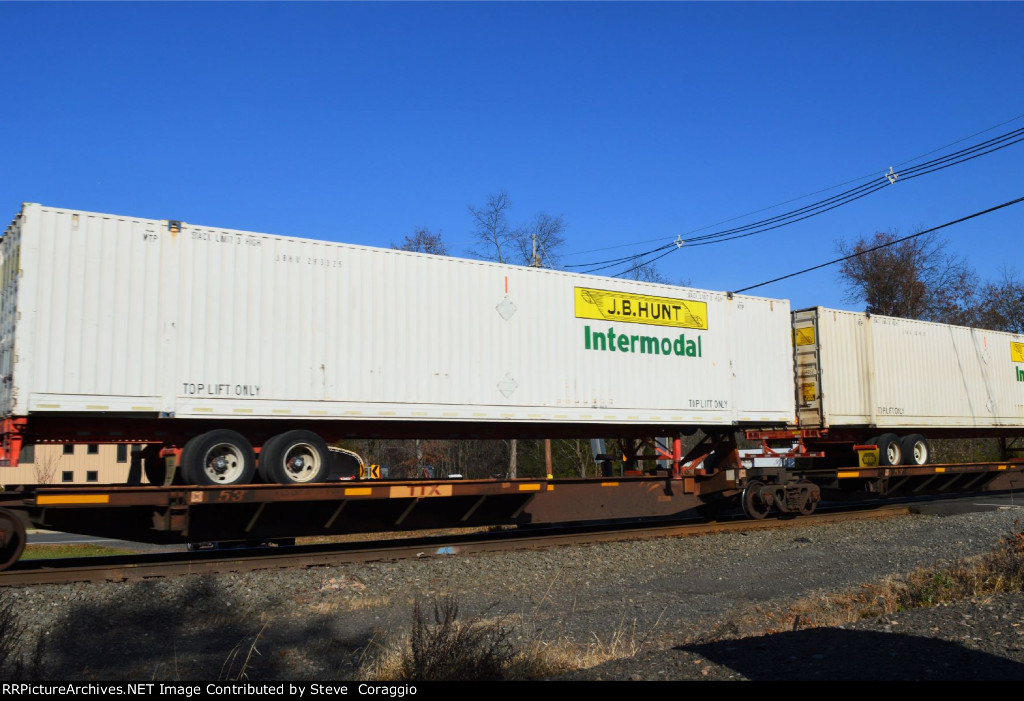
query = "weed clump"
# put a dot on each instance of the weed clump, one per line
(441, 647)
(999, 571)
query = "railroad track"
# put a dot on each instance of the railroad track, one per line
(146, 566)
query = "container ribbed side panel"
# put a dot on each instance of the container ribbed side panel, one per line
(901, 373)
(125, 314)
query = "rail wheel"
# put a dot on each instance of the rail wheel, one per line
(295, 457)
(808, 494)
(916, 450)
(753, 505)
(12, 538)
(219, 457)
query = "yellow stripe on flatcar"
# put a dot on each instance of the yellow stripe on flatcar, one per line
(1002, 467)
(841, 475)
(529, 488)
(73, 499)
(940, 469)
(609, 484)
(358, 491)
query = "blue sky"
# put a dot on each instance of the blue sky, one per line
(358, 122)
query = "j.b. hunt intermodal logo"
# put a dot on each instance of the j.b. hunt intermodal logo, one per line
(1017, 356)
(612, 340)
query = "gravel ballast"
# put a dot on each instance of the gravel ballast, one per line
(689, 608)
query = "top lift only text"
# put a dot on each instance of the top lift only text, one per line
(221, 389)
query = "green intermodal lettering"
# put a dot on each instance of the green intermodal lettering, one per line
(646, 345)
(1020, 374)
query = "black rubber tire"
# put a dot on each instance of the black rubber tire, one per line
(916, 450)
(890, 450)
(181, 475)
(265, 459)
(201, 454)
(282, 453)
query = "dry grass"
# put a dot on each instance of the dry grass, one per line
(346, 605)
(502, 648)
(238, 662)
(564, 655)
(441, 647)
(1001, 570)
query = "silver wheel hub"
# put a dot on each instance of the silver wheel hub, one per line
(302, 462)
(224, 463)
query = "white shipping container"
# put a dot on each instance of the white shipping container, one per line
(855, 369)
(102, 313)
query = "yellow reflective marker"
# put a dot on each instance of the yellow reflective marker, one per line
(73, 499)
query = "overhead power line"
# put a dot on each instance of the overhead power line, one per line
(884, 245)
(876, 183)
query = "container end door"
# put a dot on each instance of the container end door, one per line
(807, 367)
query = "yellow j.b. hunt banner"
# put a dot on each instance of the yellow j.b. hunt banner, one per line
(640, 309)
(1016, 352)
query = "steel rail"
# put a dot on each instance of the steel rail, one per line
(147, 566)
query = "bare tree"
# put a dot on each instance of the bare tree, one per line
(1001, 304)
(539, 243)
(491, 228)
(497, 240)
(646, 272)
(914, 279)
(575, 452)
(423, 240)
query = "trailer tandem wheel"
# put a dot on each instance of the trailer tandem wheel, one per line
(295, 457)
(218, 457)
(890, 449)
(916, 450)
